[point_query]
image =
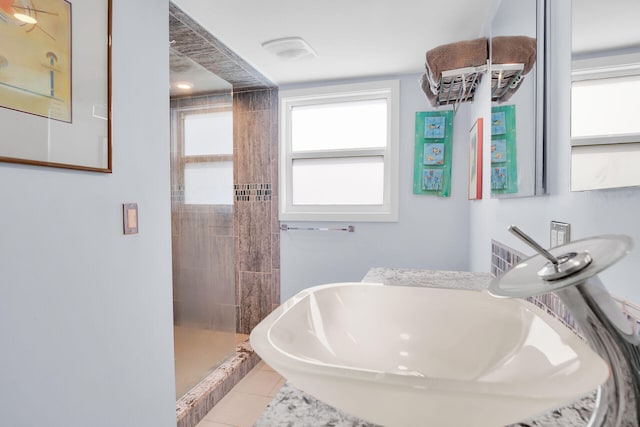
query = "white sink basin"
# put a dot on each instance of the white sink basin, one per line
(406, 356)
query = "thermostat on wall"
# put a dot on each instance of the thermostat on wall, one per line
(130, 218)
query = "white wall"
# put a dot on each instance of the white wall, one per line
(590, 213)
(85, 312)
(432, 232)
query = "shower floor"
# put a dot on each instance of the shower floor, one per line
(198, 352)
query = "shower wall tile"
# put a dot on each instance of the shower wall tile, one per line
(255, 100)
(255, 291)
(222, 318)
(222, 266)
(254, 236)
(275, 288)
(256, 212)
(253, 156)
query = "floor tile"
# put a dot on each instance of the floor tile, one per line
(259, 382)
(238, 409)
(205, 423)
(246, 402)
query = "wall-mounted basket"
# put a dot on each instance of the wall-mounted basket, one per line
(505, 79)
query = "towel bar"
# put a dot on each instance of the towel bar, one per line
(348, 228)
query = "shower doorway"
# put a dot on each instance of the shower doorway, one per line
(202, 223)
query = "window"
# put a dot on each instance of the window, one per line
(608, 106)
(605, 132)
(339, 153)
(206, 160)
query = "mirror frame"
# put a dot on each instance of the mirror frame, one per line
(98, 15)
(541, 108)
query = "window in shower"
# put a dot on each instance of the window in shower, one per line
(207, 158)
(202, 236)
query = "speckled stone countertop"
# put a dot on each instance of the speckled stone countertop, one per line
(428, 278)
(292, 407)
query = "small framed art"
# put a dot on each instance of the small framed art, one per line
(433, 153)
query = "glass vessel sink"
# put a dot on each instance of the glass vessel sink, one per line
(406, 356)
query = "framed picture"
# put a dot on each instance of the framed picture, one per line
(55, 83)
(433, 153)
(475, 161)
(504, 157)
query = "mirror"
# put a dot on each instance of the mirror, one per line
(55, 78)
(517, 98)
(605, 133)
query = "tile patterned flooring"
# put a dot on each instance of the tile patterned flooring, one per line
(244, 404)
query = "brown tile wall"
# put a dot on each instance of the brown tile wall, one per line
(255, 115)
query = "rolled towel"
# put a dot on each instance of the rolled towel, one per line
(431, 97)
(514, 50)
(466, 53)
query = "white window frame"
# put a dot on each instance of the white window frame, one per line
(388, 210)
(605, 160)
(604, 68)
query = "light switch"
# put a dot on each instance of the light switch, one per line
(560, 233)
(130, 218)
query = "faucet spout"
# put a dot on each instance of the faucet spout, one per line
(596, 314)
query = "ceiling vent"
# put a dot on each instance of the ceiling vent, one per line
(290, 48)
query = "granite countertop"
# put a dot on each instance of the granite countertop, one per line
(292, 407)
(428, 278)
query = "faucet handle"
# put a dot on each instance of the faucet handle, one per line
(557, 267)
(532, 243)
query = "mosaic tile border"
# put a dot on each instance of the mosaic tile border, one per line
(504, 258)
(252, 192)
(177, 193)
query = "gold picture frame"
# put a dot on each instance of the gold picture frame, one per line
(55, 83)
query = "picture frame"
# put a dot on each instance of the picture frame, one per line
(433, 153)
(504, 156)
(475, 160)
(55, 84)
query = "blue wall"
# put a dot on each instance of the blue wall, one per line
(85, 312)
(431, 233)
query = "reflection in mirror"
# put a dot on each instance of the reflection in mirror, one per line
(605, 95)
(517, 101)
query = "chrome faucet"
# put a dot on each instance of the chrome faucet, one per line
(570, 271)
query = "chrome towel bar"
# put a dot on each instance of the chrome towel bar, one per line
(348, 228)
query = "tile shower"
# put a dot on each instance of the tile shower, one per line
(225, 257)
(246, 231)
(203, 241)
